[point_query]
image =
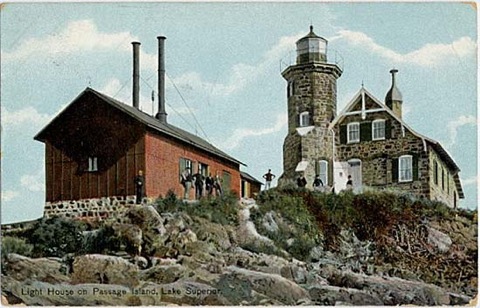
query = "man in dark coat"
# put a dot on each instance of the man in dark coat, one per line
(301, 181)
(209, 184)
(139, 186)
(198, 185)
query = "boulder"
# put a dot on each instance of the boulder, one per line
(272, 286)
(164, 273)
(212, 233)
(188, 293)
(22, 268)
(439, 240)
(104, 269)
(38, 293)
(130, 234)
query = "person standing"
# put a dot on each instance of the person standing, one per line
(349, 183)
(139, 182)
(269, 176)
(209, 184)
(186, 182)
(198, 185)
(301, 181)
(317, 183)
(218, 185)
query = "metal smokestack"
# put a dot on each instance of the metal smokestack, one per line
(162, 114)
(136, 75)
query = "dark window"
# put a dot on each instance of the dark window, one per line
(435, 173)
(443, 180)
(290, 89)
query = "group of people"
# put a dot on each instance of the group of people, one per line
(199, 181)
(210, 183)
(318, 183)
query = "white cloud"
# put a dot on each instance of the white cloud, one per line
(241, 74)
(429, 55)
(241, 133)
(79, 35)
(9, 195)
(33, 182)
(470, 181)
(25, 116)
(454, 125)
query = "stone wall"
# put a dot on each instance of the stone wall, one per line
(377, 155)
(98, 208)
(437, 192)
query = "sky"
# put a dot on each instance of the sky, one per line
(223, 66)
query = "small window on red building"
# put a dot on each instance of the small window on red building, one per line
(92, 164)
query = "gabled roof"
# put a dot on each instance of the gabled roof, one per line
(250, 178)
(447, 158)
(150, 122)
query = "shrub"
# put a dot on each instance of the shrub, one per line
(15, 245)
(55, 237)
(102, 240)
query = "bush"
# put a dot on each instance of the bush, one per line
(219, 209)
(55, 237)
(15, 245)
(101, 241)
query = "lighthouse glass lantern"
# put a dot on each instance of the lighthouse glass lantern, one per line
(311, 48)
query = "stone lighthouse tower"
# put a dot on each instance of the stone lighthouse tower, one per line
(312, 103)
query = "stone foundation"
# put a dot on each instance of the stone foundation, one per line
(99, 208)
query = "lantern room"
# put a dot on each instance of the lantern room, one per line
(311, 48)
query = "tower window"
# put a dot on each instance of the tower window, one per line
(405, 171)
(353, 132)
(304, 119)
(290, 89)
(435, 172)
(92, 164)
(378, 130)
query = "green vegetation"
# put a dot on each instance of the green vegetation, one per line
(371, 215)
(222, 210)
(55, 237)
(15, 245)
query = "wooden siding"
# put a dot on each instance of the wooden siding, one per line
(65, 180)
(162, 171)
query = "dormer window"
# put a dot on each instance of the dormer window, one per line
(353, 132)
(92, 164)
(378, 130)
(304, 119)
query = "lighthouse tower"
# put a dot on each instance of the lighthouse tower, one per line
(312, 103)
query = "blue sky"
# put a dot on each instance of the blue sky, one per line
(224, 58)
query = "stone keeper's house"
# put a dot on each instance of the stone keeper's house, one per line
(368, 139)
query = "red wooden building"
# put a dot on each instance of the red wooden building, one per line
(95, 147)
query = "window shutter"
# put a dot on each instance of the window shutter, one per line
(395, 170)
(388, 129)
(343, 134)
(330, 172)
(365, 131)
(415, 166)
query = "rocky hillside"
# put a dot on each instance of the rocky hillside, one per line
(288, 247)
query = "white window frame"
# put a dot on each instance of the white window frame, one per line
(304, 119)
(92, 164)
(323, 175)
(349, 130)
(377, 129)
(402, 175)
